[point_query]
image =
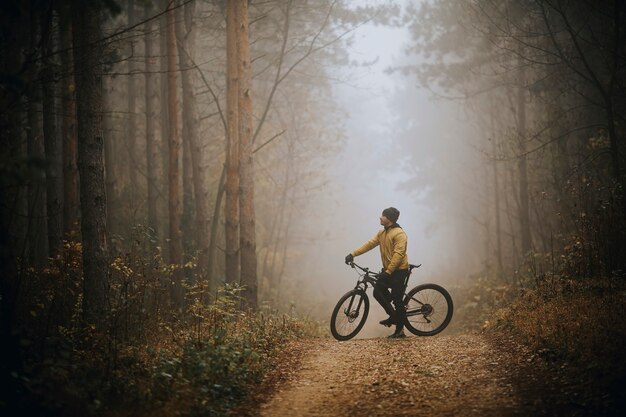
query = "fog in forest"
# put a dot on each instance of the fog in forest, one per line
(401, 147)
(349, 134)
(263, 155)
(181, 181)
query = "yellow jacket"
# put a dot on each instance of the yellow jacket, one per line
(392, 241)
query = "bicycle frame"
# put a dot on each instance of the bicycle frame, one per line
(367, 278)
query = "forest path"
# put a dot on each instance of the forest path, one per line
(457, 375)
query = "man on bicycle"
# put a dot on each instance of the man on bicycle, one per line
(392, 241)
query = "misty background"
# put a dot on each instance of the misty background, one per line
(181, 180)
(260, 157)
(401, 147)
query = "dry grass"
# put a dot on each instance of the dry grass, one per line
(578, 321)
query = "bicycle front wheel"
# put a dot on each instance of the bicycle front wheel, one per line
(349, 315)
(428, 309)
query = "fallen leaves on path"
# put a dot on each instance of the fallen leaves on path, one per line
(457, 375)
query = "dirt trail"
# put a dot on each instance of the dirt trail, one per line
(459, 375)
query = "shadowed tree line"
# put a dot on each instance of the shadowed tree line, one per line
(543, 84)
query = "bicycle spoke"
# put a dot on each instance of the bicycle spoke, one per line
(346, 327)
(427, 310)
(349, 316)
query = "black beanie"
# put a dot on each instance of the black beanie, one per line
(391, 213)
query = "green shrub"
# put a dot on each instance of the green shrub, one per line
(211, 375)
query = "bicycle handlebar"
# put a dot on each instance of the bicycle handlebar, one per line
(367, 270)
(353, 265)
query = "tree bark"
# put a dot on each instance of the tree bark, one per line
(190, 129)
(131, 123)
(164, 119)
(231, 211)
(496, 196)
(247, 234)
(214, 228)
(616, 169)
(37, 224)
(89, 94)
(152, 155)
(522, 171)
(54, 186)
(188, 197)
(175, 178)
(188, 100)
(71, 208)
(111, 171)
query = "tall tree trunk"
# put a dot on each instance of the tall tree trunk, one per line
(231, 211)
(496, 197)
(54, 186)
(88, 70)
(187, 217)
(175, 195)
(68, 130)
(509, 210)
(186, 42)
(110, 151)
(247, 233)
(214, 229)
(131, 123)
(522, 171)
(37, 224)
(164, 119)
(152, 154)
(498, 232)
(188, 100)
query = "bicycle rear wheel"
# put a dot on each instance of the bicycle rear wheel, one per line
(428, 309)
(349, 315)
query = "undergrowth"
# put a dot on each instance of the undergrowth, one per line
(152, 358)
(577, 321)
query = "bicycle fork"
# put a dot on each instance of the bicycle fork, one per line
(352, 314)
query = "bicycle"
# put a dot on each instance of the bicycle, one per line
(428, 307)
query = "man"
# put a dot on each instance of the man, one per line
(392, 241)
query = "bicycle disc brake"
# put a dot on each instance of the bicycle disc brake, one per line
(351, 315)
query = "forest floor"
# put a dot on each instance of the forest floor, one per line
(446, 375)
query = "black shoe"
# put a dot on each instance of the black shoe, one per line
(388, 322)
(398, 334)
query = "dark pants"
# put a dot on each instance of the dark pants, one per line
(395, 283)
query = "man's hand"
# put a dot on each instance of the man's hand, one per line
(384, 275)
(349, 258)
